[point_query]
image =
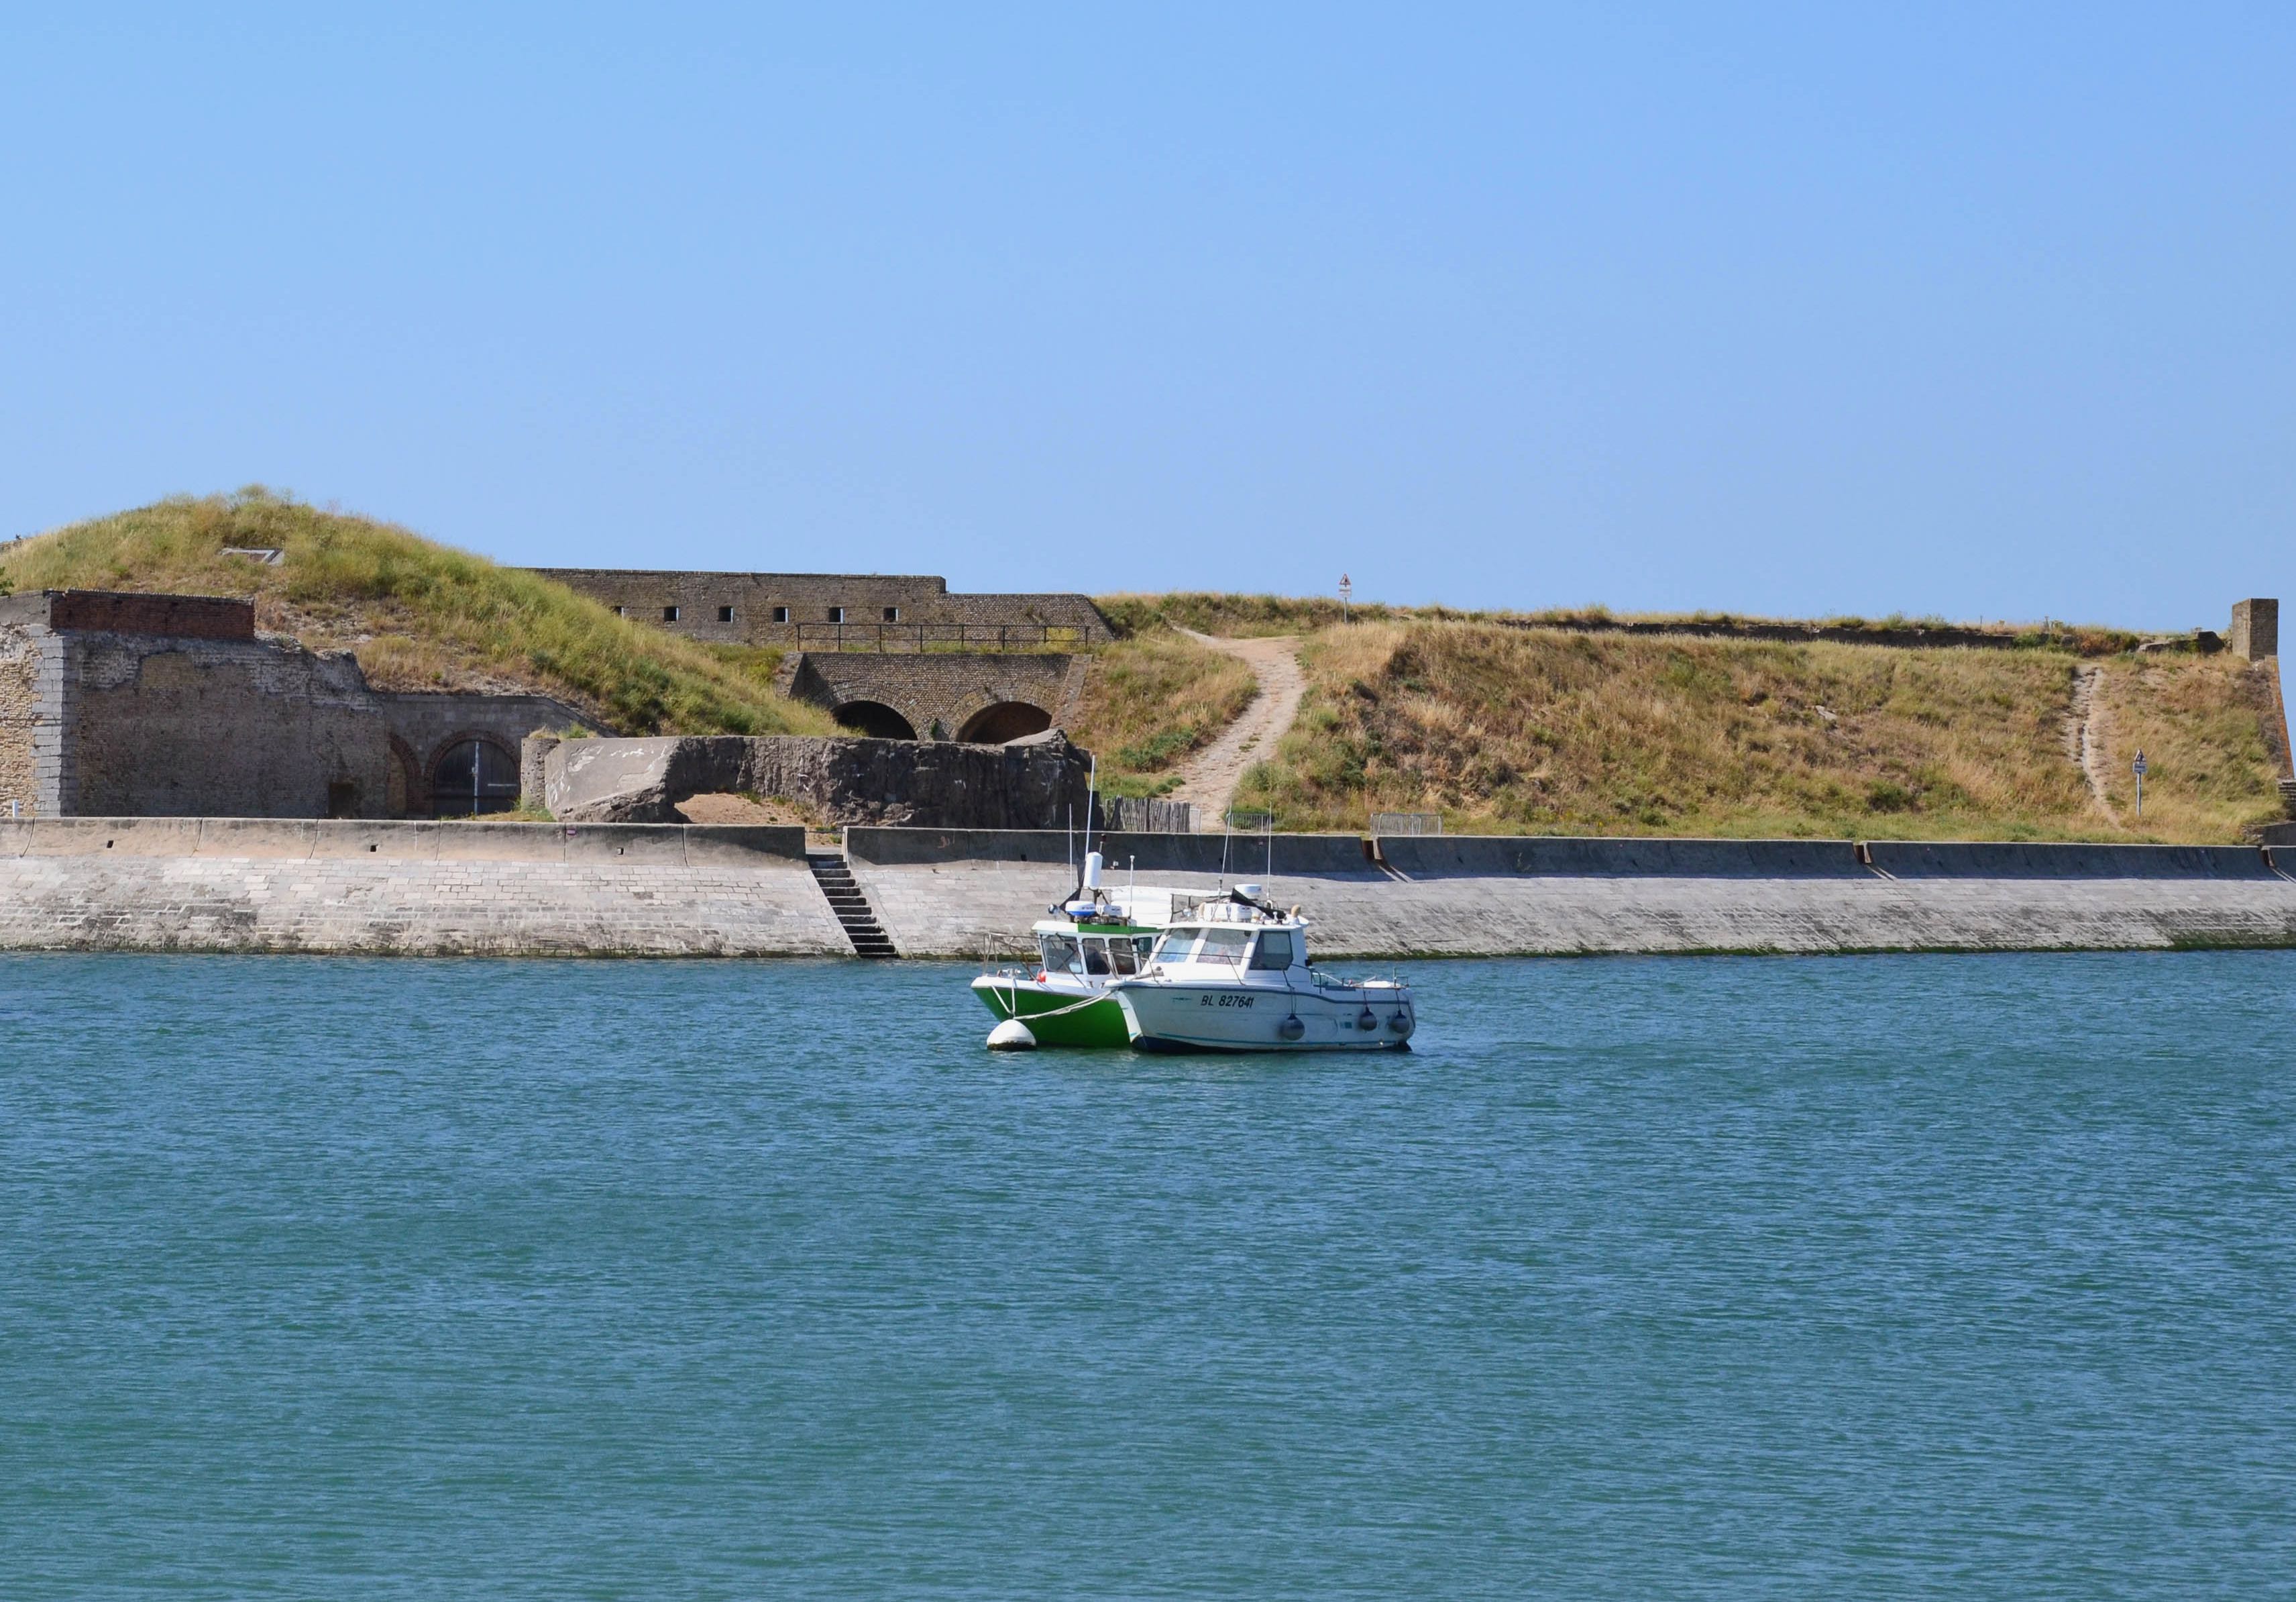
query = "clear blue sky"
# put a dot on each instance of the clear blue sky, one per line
(1985, 311)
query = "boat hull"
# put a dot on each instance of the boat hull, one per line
(1056, 1016)
(1165, 1016)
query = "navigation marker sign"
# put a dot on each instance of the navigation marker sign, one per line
(2137, 767)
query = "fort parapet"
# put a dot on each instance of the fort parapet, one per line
(837, 611)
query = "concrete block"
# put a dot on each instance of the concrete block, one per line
(499, 843)
(2018, 859)
(383, 842)
(255, 837)
(630, 844)
(1481, 855)
(2255, 630)
(119, 836)
(1244, 856)
(744, 845)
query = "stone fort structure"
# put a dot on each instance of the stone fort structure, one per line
(837, 611)
(120, 705)
(893, 657)
(978, 697)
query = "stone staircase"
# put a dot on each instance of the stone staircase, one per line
(835, 877)
(2288, 797)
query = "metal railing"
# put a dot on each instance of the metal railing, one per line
(930, 636)
(1406, 823)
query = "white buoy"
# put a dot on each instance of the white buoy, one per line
(1012, 1035)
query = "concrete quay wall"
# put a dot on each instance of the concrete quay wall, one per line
(253, 884)
(259, 885)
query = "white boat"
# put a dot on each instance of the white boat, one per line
(1237, 977)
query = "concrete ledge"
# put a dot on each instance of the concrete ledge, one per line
(2015, 859)
(2279, 835)
(1296, 856)
(1590, 857)
(288, 839)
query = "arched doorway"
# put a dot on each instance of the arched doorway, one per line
(1005, 720)
(473, 777)
(875, 719)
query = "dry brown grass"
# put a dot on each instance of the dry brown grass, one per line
(1152, 698)
(1512, 731)
(2205, 726)
(418, 615)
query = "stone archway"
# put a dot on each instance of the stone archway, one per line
(1004, 720)
(875, 719)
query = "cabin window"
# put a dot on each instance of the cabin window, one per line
(781, 614)
(1123, 956)
(1095, 956)
(670, 614)
(1060, 954)
(1223, 944)
(725, 614)
(1173, 947)
(1274, 954)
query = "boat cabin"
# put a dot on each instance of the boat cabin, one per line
(1242, 950)
(1091, 953)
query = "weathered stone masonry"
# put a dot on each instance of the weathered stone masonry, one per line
(834, 611)
(986, 698)
(172, 706)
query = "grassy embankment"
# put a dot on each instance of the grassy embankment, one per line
(418, 615)
(1511, 730)
(1152, 698)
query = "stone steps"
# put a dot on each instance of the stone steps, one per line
(852, 907)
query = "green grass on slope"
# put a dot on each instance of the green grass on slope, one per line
(1512, 731)
(418, 615)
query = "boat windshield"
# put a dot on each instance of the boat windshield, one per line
(1224, 943)
(1060, 954)
(1173, 947)
(1274, 952)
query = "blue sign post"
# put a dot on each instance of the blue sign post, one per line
(2137, 767)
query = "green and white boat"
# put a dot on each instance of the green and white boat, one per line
(1097, 935)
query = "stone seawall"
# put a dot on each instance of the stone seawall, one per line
(253, 884)
(236, 884)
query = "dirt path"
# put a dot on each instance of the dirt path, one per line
(2085, 735)
(1210, 777)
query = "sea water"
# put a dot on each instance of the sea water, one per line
(1918, 1276)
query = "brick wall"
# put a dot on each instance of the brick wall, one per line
(184, 617)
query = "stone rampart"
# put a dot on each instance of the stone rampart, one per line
(1032, 782)
(834, 611)
(174, 708)
(323, 839)
(969, 696)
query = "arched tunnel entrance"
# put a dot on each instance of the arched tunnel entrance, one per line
(875, 719)
(1004, 720)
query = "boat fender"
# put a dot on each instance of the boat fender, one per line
(1291, 1029)
(1400, 1023)
(1012, 1035)
(1367, 1019)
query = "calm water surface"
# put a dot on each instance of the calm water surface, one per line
(1874, 1276)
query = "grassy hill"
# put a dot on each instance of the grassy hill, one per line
(1547, 731)
(417, 614)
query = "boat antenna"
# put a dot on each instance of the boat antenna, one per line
(1227, 834)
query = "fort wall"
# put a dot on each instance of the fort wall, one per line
(832, 611)
(971, 697)
(137, 720)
